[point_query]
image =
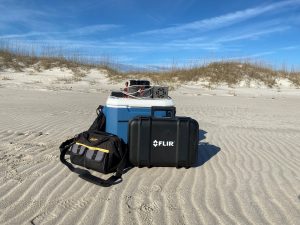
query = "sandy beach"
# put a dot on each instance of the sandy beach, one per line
(247, 172)
(233, 66)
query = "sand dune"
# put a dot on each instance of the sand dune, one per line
(247, 173)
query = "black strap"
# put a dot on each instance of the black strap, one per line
(122, 164)
(64, 147)
(85, 174)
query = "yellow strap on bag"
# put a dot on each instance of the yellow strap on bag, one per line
(93, 148)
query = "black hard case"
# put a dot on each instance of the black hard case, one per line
(150, 141)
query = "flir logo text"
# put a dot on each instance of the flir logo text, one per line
(157, 143)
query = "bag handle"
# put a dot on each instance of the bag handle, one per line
(167, 109)
(99, 109)
(85, 174)
(64, 147)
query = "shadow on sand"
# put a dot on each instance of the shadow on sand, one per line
(205, 150)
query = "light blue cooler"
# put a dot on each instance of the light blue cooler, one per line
(119, 111)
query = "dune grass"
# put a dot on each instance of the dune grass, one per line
(215, 73)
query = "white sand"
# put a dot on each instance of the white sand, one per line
(58, 79)
(248, 172)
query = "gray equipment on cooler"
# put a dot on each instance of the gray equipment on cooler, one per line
(160, 92)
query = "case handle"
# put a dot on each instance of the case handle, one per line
(170, 110)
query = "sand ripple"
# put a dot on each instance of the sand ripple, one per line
(248, 170)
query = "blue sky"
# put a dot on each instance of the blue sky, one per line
(143, 32)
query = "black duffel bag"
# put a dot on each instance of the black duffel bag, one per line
(96, 150)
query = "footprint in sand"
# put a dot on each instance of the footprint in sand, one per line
(149, 207)
(73, 204)
(156, 188)
(134, 202)
(138, 203)
(43, 218)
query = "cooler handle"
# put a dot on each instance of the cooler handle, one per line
(170, 109)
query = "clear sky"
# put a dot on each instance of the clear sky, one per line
(158, 32)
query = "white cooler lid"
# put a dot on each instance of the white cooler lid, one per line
(116, 102)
